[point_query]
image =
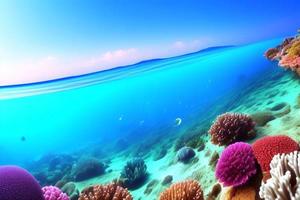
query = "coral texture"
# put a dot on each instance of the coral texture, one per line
(231, 127)
(53, 193)
(240, 193)
(267, 147)
(134, 173)
(17, 184)
(236, 165)
(186, 190)
(284, 183)
(288, 54)
(185, 154)
(105, 192)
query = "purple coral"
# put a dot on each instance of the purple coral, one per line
(236, 165)
(17, 183)
(54, 193)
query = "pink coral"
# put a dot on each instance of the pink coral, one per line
(54, 193)
(236, 165)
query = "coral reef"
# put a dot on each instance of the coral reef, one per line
(288, 54)
(17, 183)
(186, 190)
(105, 192)
(284, 183)
(231, 127)
(54, 193)
(267, 147)
(236, 165)
(87, 167)
(134, 173)
(185, 154)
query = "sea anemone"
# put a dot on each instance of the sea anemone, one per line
(267, 147)
(54, 193)
(105, 192)
(236, 164)
(231, 127)
(186, 190)
(185, 154)
(18, 184)
(134, 173)
(284, 183)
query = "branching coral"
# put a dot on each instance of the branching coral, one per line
(236, 165)
(284, 183)
(105, 192)
(267, 147)
(186, 190)
(133, 173)
(231, 127)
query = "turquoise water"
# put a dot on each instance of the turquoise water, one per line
(129, 102)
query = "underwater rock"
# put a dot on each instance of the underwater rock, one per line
(159, 154)
(167, 180)
(236, 165)
(71, 190)
(186, 190)
(17, 183)
(240, 193)
(193, 139)
(185, 154)
(231, 127)
(86, 168)
(267, 147)
(214, 159)
(271, 53)
(201, 147)
(54, 193)
(134, 173)
(215, 191)
(101, 192)
(150, 187)
(281, 109)
(262, 118)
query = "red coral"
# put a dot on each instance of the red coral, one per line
(231, 127)
(267, 147)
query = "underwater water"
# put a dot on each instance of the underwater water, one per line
(140, 110)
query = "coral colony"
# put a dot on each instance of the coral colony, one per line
(251, 166)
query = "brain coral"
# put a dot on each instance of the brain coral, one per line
(186, 190)
(105, 192)
(231, 127)
(17, 184)
(54, 193)
(284, 183)
(236, 164)
(267, 147)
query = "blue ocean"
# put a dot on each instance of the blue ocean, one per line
(90, 129)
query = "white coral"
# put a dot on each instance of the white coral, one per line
(284, 183)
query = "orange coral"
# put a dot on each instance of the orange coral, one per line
(186, 190)
(105, 192)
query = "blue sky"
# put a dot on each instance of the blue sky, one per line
(41, 40)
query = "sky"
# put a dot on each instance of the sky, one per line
(50, 39)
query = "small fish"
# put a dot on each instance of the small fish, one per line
(23, 138)
(178, 121)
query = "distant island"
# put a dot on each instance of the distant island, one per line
(287, 53)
